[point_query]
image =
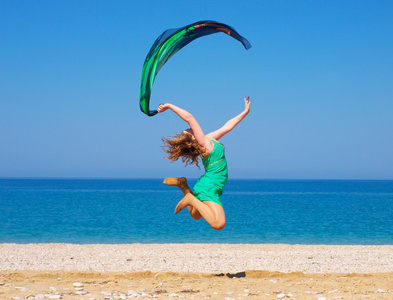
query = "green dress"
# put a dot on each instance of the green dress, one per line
(209, 187)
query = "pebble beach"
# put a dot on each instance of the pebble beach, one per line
(195, 271)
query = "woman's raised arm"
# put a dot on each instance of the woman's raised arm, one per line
(232, 122)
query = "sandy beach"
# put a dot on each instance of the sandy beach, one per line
(195, 271)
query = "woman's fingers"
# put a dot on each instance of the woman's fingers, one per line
(161, 108)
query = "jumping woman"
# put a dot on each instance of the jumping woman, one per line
(191, 144)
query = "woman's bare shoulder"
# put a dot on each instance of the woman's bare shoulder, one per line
(208, 145)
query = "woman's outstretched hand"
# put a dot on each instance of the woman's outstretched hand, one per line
(163, 107)
(247, 104)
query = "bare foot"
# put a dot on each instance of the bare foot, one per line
(173, 181)
(180, 182)
(182, 204)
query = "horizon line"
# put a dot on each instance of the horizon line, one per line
(191, 178)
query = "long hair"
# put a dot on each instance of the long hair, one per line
(184, 146)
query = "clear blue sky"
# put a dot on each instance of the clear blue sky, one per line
(320, 75)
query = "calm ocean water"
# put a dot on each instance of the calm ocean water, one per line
(141, 211)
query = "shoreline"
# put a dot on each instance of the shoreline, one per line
(195, 271)
(197, 258)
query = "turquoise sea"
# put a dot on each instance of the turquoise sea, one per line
(142, 211)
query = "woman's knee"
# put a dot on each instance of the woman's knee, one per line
(218, 225)
(195, 214)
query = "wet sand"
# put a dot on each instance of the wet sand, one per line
(195, 271)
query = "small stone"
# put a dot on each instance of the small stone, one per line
(229, 298)
(272, 280)
(381, 291)
(280, 296)
(18, 298)
(39, 296)
(133, 293)
(289, 295)
(78, 284)
(30, 296)
(22, 288)
(80, 293)
(246, 291)
(78, 289)
(2, 283)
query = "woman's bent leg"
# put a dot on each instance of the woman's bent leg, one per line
(181, 183)
(212, 212)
